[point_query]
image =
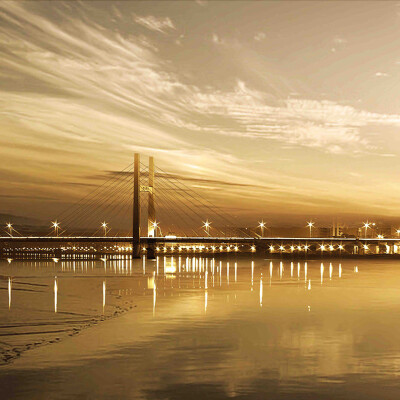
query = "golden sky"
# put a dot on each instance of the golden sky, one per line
(271, 107)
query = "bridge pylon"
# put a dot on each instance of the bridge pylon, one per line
(151, 212)
(136, 208)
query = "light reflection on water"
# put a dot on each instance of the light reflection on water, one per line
(230, 326)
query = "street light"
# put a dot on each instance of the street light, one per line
(155, 226)
(56, 226)
(10, 228)
(310, 225)
(366, 226)
(261, 225)
(104, 226)
(206, 225)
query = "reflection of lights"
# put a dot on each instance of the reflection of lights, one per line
(55, 294)
(253, 248)
(261, 291)
(9, 293)
(305, 271)
(340, 270)
(154, 294)
(104, 294)
(9, 260)
(309, 285)
(356, 269)
(169, 266)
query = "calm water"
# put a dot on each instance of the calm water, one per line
(200, 328)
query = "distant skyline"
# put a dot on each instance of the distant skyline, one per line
(274, 110)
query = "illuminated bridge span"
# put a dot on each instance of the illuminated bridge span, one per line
(190, 223)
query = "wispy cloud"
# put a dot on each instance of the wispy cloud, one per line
(160, 24)
(216, 39)
(259, 36)
(103, 90)
(127, 75)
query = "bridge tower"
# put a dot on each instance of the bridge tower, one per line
(136, 208)
(151, 212)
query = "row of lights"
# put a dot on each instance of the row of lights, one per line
(206, 225)
(306, 247)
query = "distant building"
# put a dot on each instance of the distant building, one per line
(337, 230)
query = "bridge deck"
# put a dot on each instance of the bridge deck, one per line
(207, 239)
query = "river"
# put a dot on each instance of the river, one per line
(197, 327)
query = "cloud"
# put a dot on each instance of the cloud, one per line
(338, 43)
(259, 36)
(97, 71)
(217, 39)
(101, 92)
(338, 40)
(159, 24)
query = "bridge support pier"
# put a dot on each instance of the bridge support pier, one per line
(151, 252)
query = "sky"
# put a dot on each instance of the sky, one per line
(274, 110)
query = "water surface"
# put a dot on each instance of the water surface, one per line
(195, 327)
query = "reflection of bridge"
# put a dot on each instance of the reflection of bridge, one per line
(183, 214)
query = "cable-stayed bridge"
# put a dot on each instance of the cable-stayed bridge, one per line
(145, 210)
